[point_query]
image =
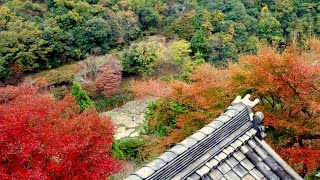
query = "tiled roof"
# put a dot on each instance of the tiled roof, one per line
(230, 147)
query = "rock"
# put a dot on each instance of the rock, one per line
(129, 117)
(135, 134)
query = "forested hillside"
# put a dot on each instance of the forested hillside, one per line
(64, 63)
(38, 35)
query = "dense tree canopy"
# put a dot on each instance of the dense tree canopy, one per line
(38, 35)
(41, 138)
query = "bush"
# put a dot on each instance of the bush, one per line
(140, 59)
(127, 148)
(109, 78)
(42, 138)
(103, 103)
(154, 88)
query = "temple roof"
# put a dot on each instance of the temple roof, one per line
(230, 147)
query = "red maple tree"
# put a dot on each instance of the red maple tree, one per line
(109, 77)
(43, 138)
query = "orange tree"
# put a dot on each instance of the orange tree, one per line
(289, 86)
(43, 138)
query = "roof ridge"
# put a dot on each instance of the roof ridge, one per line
(228, 139)
(227, 123)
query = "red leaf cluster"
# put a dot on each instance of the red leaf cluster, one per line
(42, 138)
(303, 160)
(109, 78)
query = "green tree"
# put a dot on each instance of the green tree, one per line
(180, 52)
(182, 26)
(318, 24)
(147, 17)
(198, 42)
(140, 59)
(22, 47)
(270, 27)
(125, 25)
(81, 97)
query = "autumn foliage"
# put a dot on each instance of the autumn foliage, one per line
(41, 138)
(153, 88)
(287, 83)
(289, 86)
(108, 79)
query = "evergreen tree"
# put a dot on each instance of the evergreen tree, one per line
(82, 98)
(198, 42)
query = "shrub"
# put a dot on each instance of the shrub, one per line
(81, 97)
(109, 78)
(127, 148)
(154, 88)
(46, 139)
(103, 103)
(140, 59)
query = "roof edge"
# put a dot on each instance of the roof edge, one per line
(278, 159)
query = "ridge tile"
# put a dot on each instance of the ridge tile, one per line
(167, 156)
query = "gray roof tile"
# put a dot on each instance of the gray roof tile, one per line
(176, 177)
(178, 149)
(215, 174)
(223, 118)
(232, 162)
(238, 155)
(198, 136)
(272, 176)
(248, 177)
(256, 174)
(251, 132)
(244, 138)
(156, 164)
(224, 168)
(232, 176)
(229, 150)
(218, 158)
(231, 112)
(262, 165)
(207, 178)
(247, 164)
(133, 177)
(194, 176)
(144, 172)
(188, 142)
(236, 144)
(223, 178)
(256, 156)
(203, 170)
(167, 156)
(194, 165)
(260, 152)
(244, 149)
(221, 156)
(213, 151)
(212, 163)
(240, 170)
(215, 124)
(207, 130)
(252, 144)
(239, 107)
